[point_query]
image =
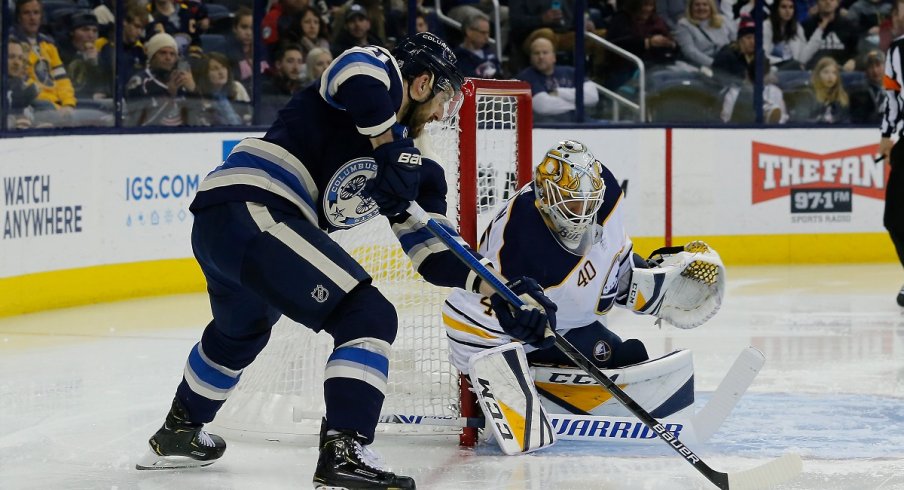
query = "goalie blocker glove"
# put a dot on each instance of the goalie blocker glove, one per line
(529, 323)
(398, 176)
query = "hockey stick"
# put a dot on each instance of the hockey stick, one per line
(433, 420)
(768, 474)
(739, 377)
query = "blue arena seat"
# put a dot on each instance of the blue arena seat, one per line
(676, 96)
(791, 79)
(213, 42)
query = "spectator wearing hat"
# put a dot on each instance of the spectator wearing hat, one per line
(474, 56)
(91, 73)
(82, 37)
(868, 98)
(45, 67)
(355, 32)
(162, 94)
(552, 86)
(731, 63)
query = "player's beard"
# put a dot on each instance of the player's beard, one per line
(416, 115)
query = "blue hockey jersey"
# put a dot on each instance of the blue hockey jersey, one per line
(317, 156)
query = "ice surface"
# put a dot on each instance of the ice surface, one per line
(82, 389)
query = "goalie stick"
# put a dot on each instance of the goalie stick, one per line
(765, 475)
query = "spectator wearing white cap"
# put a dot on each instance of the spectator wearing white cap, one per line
(161, 94)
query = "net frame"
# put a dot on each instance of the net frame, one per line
(495, 120)
(469, 124)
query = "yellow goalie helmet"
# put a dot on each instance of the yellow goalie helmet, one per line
(570, 188)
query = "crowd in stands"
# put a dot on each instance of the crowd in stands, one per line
(191, 62)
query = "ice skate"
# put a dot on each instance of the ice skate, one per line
(181, 444)
(900, 297)
(346, 463)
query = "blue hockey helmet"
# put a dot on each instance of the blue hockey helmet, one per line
(425, 52)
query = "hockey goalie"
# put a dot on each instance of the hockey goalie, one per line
(566, 231)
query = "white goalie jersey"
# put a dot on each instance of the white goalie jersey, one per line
(519, 243)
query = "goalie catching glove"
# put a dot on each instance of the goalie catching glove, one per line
(527, 324)
(684, 285)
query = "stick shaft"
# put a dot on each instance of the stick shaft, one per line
(717, 478)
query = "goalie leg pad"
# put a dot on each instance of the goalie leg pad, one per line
(663, 386)
(509, 401)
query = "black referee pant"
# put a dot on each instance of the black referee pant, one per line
(893, 218)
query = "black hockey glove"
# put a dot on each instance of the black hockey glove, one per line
(398, 176)
(527, 324)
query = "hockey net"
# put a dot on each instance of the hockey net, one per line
(486, 152)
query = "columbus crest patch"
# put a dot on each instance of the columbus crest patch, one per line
(344, 202)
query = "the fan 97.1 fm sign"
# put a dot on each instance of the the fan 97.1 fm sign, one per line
(815, 182)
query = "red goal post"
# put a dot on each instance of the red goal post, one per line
(472, 119)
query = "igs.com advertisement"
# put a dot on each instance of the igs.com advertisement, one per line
(156, 190)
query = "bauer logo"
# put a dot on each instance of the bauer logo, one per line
(779, 171)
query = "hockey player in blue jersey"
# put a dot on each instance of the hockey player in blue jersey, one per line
(339, 153)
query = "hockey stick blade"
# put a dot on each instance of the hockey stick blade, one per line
(771, 473)
(776, 471)
(767, 475)
(735, 383)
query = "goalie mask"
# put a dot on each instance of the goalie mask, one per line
(570, 189)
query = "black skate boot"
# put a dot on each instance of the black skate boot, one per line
(346, 463)
(900, 297)
(181, 444)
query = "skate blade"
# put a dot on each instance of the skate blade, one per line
(153, 461)
(324, 486)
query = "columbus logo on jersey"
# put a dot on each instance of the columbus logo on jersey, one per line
(344, 202)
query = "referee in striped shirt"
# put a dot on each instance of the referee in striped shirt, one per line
(893, 153)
